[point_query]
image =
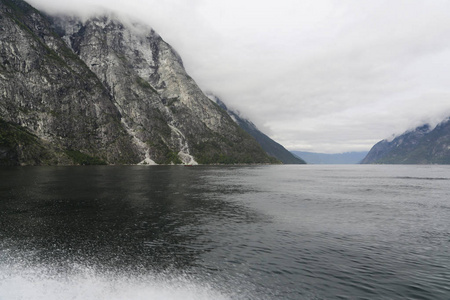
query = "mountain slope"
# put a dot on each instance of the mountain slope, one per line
(270, 146)
(420, 146)
(110, 90)
(48, 91)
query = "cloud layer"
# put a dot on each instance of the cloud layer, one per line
(318, 75)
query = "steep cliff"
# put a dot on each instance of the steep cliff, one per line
(271, 147)
(47, 90)
(423, 145)
(109, 90)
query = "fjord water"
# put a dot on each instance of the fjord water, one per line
(252, 232)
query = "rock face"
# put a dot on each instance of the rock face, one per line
(423, 145)
(49, 91)
(105, 90)
(271, 147)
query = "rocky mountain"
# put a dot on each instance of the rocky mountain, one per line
(271, 147)
(423, 145)
(334, 158)
(104, 90)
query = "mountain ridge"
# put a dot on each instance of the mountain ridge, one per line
(98, 88)
(423, 145)
(271, 147)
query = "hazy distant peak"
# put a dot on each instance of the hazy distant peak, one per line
(427, 125)
(270, 146)
(425, 128)
(425, 144)
(216, 100)
(233, 112)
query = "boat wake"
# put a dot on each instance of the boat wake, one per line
(83, 283)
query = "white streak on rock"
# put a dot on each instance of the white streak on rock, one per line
(140, 144)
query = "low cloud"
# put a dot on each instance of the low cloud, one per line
(324, 76)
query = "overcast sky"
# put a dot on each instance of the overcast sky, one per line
(315, 75)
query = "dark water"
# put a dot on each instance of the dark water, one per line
(263, 232)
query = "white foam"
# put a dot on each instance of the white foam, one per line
(85, 284)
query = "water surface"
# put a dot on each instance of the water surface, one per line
(256, 232)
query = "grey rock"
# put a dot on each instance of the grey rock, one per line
(48, 90)
(271, 147)
(423, 145)
(110, 89)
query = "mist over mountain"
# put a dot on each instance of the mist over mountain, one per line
(271, 147)
(423, 145)
(102, 90)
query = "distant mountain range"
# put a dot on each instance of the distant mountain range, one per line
(337, 158)
(423, 145)
(271, 147)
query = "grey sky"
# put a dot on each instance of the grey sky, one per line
(315, 75)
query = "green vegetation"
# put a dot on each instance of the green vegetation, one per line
(67, 52)
(163, 154)
(416, 147)
(68, 78)
(3, 68)
(11, 135)
(171, 101)
(172, 158)
(20, 12)
(80, 158)
(54, 113)
(225, 151)
(19, 146)
(20, 7)
(144, 84)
